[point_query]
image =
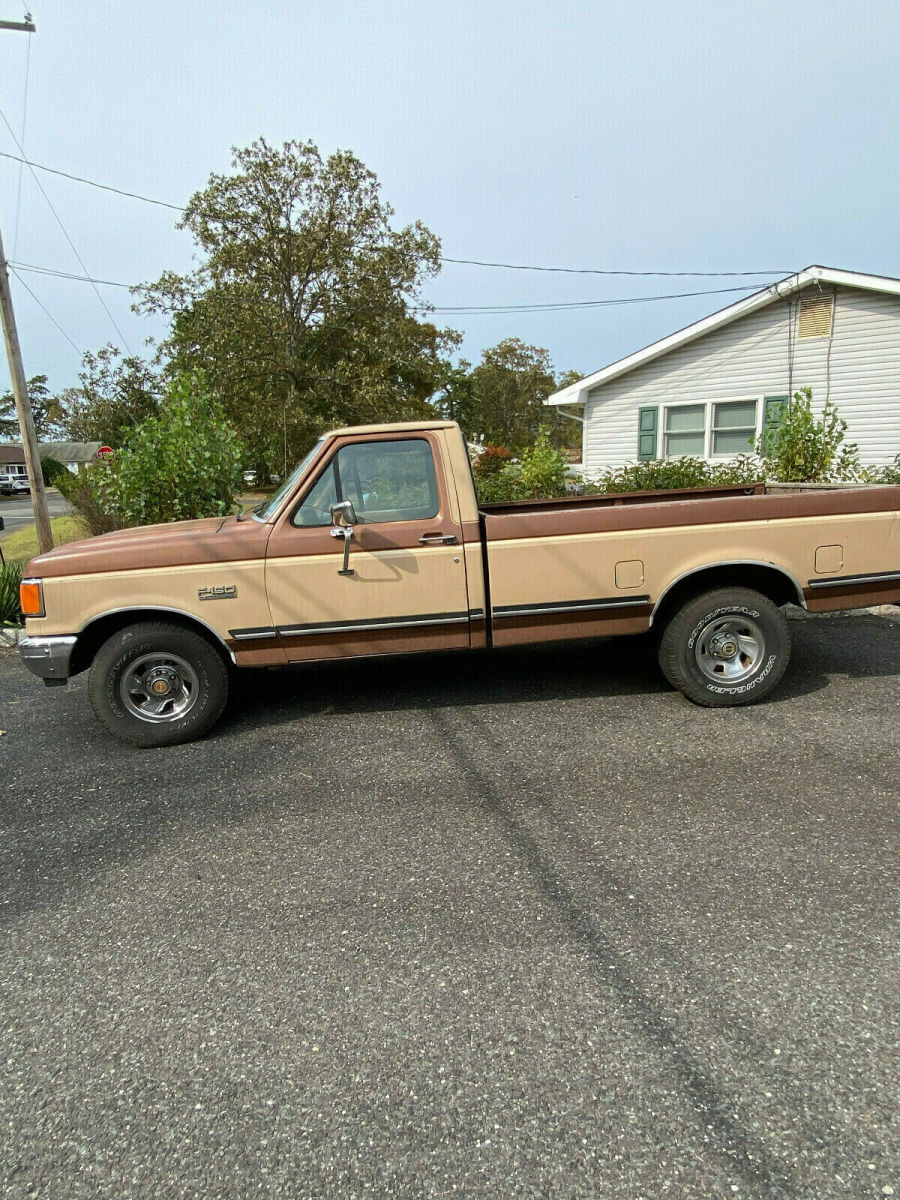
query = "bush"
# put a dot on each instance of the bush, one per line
(80, 491)
(544, 469)
(10, 577)
(52, 469)
(499, 487)
(181, 463)
(491, 461)
(889, 474)
(667, 474)
(801, 449)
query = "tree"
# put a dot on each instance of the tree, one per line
(303, 308)
(182, 462)
(501, 400)
(115, 395)
(45, 409)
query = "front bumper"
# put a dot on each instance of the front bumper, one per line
(48, 657)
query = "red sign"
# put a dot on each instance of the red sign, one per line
(105, 452)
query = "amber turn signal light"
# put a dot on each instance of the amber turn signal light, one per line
(31, 598)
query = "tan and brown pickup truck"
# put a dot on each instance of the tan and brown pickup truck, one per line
(376, 544)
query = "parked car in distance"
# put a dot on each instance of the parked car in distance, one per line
(14, 485)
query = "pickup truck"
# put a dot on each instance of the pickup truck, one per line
(376, 544)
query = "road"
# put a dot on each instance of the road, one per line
(17, 511)
(528, 925)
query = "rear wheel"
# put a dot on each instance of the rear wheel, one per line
(156, 684)
(726, 648)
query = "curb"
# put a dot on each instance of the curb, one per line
(11, 635)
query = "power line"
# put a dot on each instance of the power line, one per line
(66, 236)
(473, 310)
(44, 307)
(478, 310)
(470, 262)
(475, 262)
(68, 275)
(92, 183)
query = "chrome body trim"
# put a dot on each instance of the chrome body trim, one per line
(732, 562)
(575, 606)
(363, 626)
(48, 657)
(853, 580)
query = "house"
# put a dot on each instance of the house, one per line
(73, 455)
(706, 390)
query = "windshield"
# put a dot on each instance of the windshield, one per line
(271, 505)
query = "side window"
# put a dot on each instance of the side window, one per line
(387, 481)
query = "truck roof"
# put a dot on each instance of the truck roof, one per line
(398, 427)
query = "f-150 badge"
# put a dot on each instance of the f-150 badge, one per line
(223, 591)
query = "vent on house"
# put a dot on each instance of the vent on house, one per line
(815, 316)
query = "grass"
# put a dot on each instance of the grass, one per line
(22, 545)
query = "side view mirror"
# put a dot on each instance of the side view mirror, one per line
(343, 514)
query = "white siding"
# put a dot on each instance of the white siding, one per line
(858, 367)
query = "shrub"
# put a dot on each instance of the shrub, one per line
(52, 470)
(889, 474)
(10, 577)
(799, 448)
(182, 462)
(544, 469)
(81, 493)
(499, 487)
(491, 461)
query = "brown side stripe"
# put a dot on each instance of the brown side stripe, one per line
(554, 606)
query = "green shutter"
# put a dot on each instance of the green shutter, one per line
(773, 407)
(648, 425)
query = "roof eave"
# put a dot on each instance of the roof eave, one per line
(576, 393)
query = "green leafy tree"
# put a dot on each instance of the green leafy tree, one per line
(45, 409)
(115, 394)
(182, 462)
(801, 448)
(304, 308)
(508, 390)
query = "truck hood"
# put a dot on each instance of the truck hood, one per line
(178, 543)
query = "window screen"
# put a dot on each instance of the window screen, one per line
(734, 427)
(686, 430)
(387, 481)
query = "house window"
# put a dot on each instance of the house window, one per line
(734, 427)
(685, 430)
(719, 429)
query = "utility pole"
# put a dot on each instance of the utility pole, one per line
(19, 386)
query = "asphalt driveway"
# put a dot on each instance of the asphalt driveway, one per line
(523, 925)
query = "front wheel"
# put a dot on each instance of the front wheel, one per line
(156, 684)
(726, 648)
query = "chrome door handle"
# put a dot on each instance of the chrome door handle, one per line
(437, 539)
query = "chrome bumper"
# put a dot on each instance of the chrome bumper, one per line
(47, 657)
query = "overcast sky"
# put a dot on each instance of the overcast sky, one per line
(647, 135)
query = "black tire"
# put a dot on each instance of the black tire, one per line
(725, 648)
(156, 684)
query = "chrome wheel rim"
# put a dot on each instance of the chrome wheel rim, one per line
(729, 649)
(159, 687)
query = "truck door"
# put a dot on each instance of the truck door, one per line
(406, 586)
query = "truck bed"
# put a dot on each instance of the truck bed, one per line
(590, 564)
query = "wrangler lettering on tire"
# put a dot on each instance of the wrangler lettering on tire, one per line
(157, 684)
(726, 647)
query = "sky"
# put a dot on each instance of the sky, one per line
(644, 136)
